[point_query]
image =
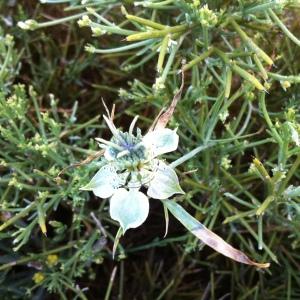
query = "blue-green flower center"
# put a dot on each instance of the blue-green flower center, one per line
(131, 153)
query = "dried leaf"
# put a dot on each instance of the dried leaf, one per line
(166, 116)
(208, 237)
(86, 161)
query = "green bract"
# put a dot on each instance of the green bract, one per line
(131, 162)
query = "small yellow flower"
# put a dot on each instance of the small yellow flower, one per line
(52, 260)
(226, 162)
(285, 84)
(38, 277)
(84, 21)
(207, 16)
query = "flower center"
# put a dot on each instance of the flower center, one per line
(131, 153)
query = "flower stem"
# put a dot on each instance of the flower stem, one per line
(283, 27)
(146, 22)
(18, 216)
(191, 154)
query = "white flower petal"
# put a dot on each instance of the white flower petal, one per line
(161, 141)
(105, 182)
(104, 190)
(164, 184)
(129, 208)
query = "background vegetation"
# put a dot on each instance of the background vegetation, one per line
(240, 105)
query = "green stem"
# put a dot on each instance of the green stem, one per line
(174, 49)
(77, 291)
(113, 29)
(290, 78)
(265, 205)
(251, 44)
(205, 36)
(157, 5)
(198, 59)
(38, 113)
(263, 107)
(36, 256)
(61, 20)
(228, 82)
(18, 216)
(146, 22)
(79, 127)
(283, 27)
(247, 76)
(289, 175)
(260, 232)
(162, 53)
(110, 284)
(6, 60)
(191, 154)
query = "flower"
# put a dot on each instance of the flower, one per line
(38, 277)
(52, 260)
(28, 24)
(131, 163)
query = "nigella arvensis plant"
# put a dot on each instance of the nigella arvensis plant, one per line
(132, 162)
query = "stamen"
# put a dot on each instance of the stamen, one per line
(106, 108)
(111, 144)
(112, 127)
(102, 146)
(137, 146)
(123, 153)
(133, 124)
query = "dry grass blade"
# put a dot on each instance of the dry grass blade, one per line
(86, 161)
